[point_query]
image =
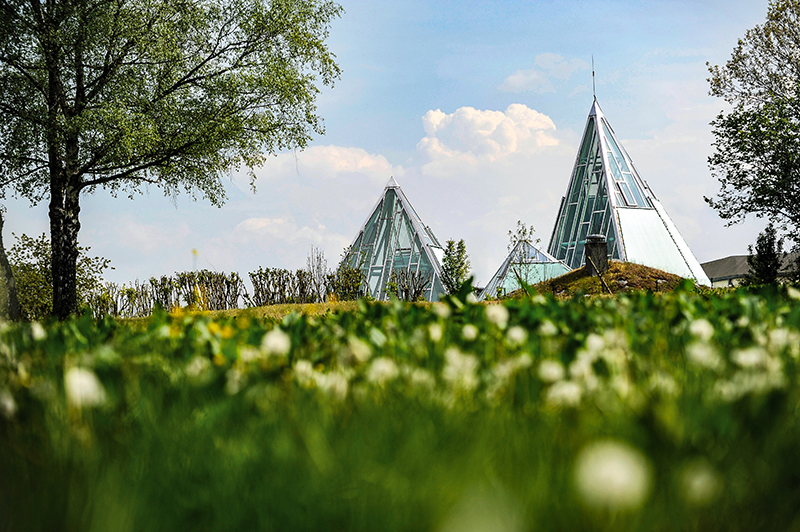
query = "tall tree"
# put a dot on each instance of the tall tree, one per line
(455, 265)
(119, 94)
(757, 143)
(765, 262)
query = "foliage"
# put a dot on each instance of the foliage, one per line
(347, 282)
(638, 412)
(203, 290)
(408, 285)
(275, 286)
(765, 263)
(757, 143)
(119, 94)
(757, 161)
(30, 261)
(455, 265)
(523, 233)
(317, 267)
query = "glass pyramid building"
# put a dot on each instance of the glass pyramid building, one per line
(606, 196)
(526, 262)
(394, 238)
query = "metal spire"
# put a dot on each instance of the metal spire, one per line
(594, 92)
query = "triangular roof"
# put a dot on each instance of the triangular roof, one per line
(527, 262)
(607, 196)
(395, 238)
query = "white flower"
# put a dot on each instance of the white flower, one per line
(704, 355)
(382, 370)
(360, 349)
(83, 388)
(701, 329)
(551, 371)
(564, 393)
(37, 331)
(471, 298)
(422, 379)
(793, 292)
(304, 372)
(612, 475)
(335, 384)
(595, 343)
(469, 332)
(234, 381)
(250, 354)
(497, 314)
(548, 328)
(749, 358)
(441, 309)
(460, 370)
(199, 369)
(8, 407)
(276, 342)
(700, 482)
(435, 332)
(517, 336)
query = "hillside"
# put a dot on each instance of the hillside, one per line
(620, 277)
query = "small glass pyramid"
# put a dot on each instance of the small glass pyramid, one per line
(394, 239)
(526, 263)
(606, 196)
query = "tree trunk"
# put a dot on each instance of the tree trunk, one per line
(64, 227)
(11, 285)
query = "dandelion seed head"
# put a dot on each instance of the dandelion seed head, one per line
(235, 380)
(701, 329)
(460, 370)
(83, 388)
(548, 328)
(497, 314)
(382, 370)
(435, 332)
(276, 342)
(551, 371)
(517, 336)
(8, 407)
(700, 482)
(703, 355)
(469, 332)
(749, 358)
(612, 475)
(441, 309)
(37, 331)
(422, 379)
(564, 393)
(335, 384)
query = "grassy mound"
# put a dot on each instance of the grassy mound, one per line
(620, 277)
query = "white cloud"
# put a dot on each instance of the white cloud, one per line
(475, 135)
(329, 163)
(547, 67)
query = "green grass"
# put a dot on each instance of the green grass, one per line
(410, 417)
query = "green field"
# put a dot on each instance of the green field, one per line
(635, 412)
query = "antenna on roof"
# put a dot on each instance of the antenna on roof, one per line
(594, 92)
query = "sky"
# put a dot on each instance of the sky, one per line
(476, 108)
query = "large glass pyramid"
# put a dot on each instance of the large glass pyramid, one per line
(606, 196)
(526, 263)
(393, 240)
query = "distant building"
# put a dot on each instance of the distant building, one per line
(606, 196)
(394, 239)
(526, 263)
(731, 271)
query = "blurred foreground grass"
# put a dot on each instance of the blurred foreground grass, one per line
(640, 412)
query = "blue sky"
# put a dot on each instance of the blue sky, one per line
(476, 108)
